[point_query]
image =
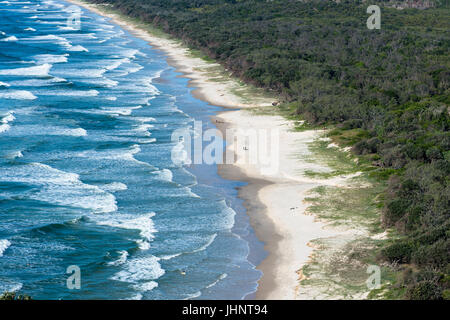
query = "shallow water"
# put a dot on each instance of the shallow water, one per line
(86, 177)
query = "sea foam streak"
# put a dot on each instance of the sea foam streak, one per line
(63, 188)
(115, 186)
(73, 93)
(143, 223)
(115, 154)
(165, 174)
(39, 71)
(11, 38)
(51, 58)
(4, 244)
(121, 260)
(4, 126)
(36, 130)
(140, 269)
(17, 95)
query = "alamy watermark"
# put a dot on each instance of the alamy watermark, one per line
(374, 280)
(374, 20)
(74, 280)
(74, 20)
(258, 147)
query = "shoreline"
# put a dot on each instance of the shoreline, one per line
(274, 203)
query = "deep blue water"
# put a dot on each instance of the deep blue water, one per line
(86, 176)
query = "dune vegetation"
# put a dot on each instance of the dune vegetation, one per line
(385, 93)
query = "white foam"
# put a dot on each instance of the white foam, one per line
(37, 82)
(193, 295)
(78, 132)
(50, 38)
(41, 70)
(78, 48)
(135, 297)
(165, 174)
(11, 38)
(143, 223)
(103, 27)
(3, 84)
(14, 155)
(156, 75)
(4, 244)
(115, 186)
(8, 117)
(17, 95)
(179, 155)
(146, 141)
(54, 4)
(117, 64)
(108, 82)
(221, 277)
(140, 269)
(170, 256)
(29, 29)
(144, 119)
(35, 130)
(115, 154)
(51, 58)
(207, 244)
(144, 128)
(121, 260)
(130, 53)
(59, 187)
(4, 128)
(66, 28)
(83, 73)
(102, 82)
(58, 40)
(9, 286)
(145, 85)
(133, 70)
(73, 93)
(123, 111)
(143, 245)
(191, 193)
(146, 286)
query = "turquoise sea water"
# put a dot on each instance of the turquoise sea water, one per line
(86, 176)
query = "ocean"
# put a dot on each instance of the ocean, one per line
(86, 175)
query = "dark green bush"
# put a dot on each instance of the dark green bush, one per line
(435, 255)
(425, 290)
(398, 252)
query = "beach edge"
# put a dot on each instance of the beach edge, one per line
(281, 266)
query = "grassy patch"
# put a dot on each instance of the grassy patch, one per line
(355, 206)
(340, 269)
(338, 266)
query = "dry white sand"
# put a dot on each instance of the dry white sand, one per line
(274, 201)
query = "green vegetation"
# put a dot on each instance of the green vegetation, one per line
(14, 296)
(385, 91)
(339, 268)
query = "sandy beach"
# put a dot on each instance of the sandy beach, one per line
(274, 201)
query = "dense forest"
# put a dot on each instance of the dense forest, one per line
(386, 89)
